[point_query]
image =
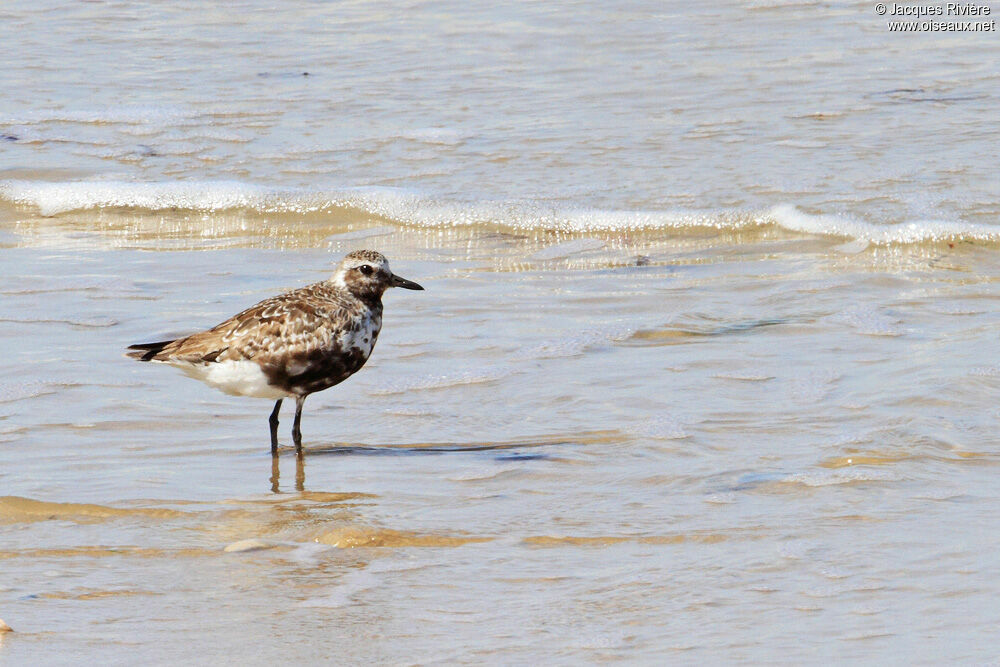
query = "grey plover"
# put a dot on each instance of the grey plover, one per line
(291, 345)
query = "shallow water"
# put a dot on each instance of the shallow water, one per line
(705, 368)
(755, 450)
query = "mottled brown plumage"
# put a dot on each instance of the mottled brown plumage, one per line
(304, 340)
(290, 345)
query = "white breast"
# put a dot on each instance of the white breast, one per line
(364, 338)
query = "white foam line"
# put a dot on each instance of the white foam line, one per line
(792, 219)
(53, 198)
(399, 205)
(414, 208)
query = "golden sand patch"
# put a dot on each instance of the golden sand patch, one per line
(350, 537)
(879, 459)
(308, 496)
(102, 551)
(661, 336)
(970, 455)
(15, 509)
(863, 460)
(92, 594)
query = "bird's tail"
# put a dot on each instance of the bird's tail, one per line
(147, 351)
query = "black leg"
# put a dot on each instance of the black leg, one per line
(296, 431)
(273, 421)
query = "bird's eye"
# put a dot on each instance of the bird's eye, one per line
(367, 270)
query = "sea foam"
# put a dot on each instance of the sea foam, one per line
(412, 207)
(792, 219)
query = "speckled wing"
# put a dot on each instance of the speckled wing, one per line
(302, 319)
(305, 340)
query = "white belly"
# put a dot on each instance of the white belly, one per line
(238, 378)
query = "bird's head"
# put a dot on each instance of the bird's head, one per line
(366, 274)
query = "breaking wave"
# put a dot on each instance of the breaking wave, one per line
(411, 207)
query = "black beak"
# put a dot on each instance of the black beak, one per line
(396, 281)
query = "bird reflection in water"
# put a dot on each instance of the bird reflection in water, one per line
(300, 472)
